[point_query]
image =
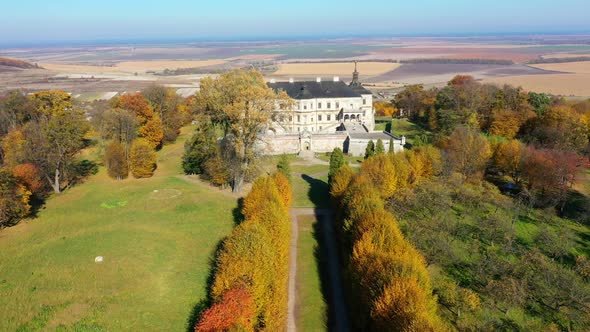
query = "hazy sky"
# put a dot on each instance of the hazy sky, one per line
(27, 20)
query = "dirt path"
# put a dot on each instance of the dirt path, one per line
(336, 295)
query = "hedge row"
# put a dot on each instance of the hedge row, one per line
(254, 264)
(389, 285)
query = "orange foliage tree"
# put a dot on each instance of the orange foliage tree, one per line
(234, 312)
(29, 175)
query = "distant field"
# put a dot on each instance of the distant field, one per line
(557, 84)
(132, 66)
(582, 67)
(335, 68)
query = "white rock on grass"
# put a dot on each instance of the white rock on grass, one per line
(98, 259)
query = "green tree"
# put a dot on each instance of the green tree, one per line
(391, 147)
(540, 102)
(53, 142)
(284, 167)
(116, 161)
(201, 147)
(370, 150)
(336, 161)
(379, 148)
(142, 158)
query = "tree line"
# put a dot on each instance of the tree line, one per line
(386, 277)
(249, 290)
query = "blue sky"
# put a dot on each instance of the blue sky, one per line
(46, 20)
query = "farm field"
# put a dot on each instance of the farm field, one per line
(334, 68)
(157, 237)
(557, 84)
(131, 66)
(580, 67)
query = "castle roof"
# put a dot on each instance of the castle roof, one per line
(314, 89)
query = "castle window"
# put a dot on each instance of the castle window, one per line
(305, 106)
(320, 127)
(319, 105)
(337, 105)
(290, 118)
(364, 101)
(329, 117)
(329, 105)
(298, 118)
(320, 117)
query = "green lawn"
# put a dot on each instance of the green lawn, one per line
(157, 248)
(350, 159)
(403, 127)
(311, 307)
(310, 186)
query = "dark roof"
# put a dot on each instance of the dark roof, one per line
(361, 90)
(313, 89)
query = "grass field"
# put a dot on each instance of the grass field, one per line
(157, 248)
(403, 127)
(335, 68)
(311, 306)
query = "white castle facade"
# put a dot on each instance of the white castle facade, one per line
(326, 115)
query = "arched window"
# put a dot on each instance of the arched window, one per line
(346, 117)
(352, 117)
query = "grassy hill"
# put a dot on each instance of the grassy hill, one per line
(14, 64)
(157, 236)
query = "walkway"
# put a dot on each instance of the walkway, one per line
(337, 300)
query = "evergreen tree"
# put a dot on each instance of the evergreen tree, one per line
(284, 167)
(379, 148)
(370, 150)
(200, 148)
(336, 161)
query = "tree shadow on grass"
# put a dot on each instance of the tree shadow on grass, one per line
(319, 191)
(206, 302)
(577, 207)
(321, 260)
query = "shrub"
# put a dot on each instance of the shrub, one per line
(14, 199)
(29, 175)
(142, 159)
(235, 311)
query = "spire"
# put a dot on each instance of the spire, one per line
(355, 77)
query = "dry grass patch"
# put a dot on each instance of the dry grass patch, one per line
(335, 68)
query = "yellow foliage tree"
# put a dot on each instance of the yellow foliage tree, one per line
(13, 148)
(340, 182)
(381, 172)
(142, 159)
(284, 188)
(508, 157)
(152, 131)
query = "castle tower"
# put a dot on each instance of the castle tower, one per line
(355, 77)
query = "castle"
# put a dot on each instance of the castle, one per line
(326, 115)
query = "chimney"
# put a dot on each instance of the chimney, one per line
(272, 81)
(336, 78)
(291, 80)
(318, 79)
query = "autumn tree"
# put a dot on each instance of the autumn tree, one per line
(235, 311)
(509, 158)
(14, 199)
(13, 148)
(142, 159)
(169, 107)
(152, 131)
(118, 124)
(384, 108)
(149, 123)
(116, 161)
(53, 102)
(336, 162)
(52, 143)
(414, 101)
(467, 152)
(240, 103)
(30, 176)
(370, 149)
(16, 109)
